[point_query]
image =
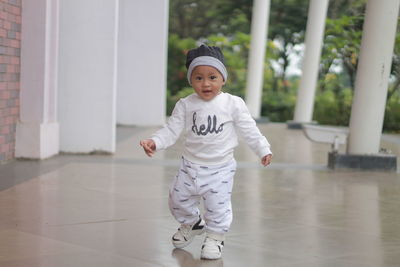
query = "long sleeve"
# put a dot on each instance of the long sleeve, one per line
(169, 134)
(247, 128)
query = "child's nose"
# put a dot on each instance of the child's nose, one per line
(206, 82)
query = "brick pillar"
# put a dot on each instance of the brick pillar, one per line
(10, 44)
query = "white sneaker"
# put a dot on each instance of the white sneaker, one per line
(212, 247)
(185, 234)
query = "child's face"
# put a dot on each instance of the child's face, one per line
(207, 81)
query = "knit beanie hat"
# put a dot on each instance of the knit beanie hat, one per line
(205, 56)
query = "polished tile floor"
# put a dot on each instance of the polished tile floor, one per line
(103, 210)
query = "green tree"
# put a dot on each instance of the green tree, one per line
(394, 87)
(288, 20)
(226, 23)
(338, 8)
(198, 19)
(341, 46)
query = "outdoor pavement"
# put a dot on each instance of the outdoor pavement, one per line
(112, 210)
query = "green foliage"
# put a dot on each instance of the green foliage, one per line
(226, 24)
(278, 106)
(172, 99)
(198, 19)
(333, 109)
(235, 51)
(338, 8)
(338, 50)
(288, 18)
(177, 49)
(338, 69)
(392, 115)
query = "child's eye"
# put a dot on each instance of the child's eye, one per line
(198, 78)
(213, 77)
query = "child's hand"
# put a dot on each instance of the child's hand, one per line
(149, 146)
(266, 160)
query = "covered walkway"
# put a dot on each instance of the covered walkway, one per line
(111, 210)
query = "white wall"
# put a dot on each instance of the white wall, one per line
(37, 133)
(142, 62)
(87, 75)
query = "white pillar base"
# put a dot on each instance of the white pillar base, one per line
(375, 162)
(291, 124)
(37, 140)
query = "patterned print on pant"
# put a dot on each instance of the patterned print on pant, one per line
(211, 183)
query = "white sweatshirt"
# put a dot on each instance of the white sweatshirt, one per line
(210, 129)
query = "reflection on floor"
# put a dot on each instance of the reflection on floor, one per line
(112, 210)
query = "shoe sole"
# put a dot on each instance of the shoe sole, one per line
(210, 258)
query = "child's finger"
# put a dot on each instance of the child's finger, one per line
(145, 145)
(147, 149)
(149, 153)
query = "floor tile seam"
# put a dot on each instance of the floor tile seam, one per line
(80, 246)
(124, 196)
(343, 257)
(305, 225)
(338, 256)
(246, 233)
(361, 255)
(365, 233)
(89, 189)
(44, 171)
(391, 202)
(125, 219)
(324, 259)
(240, 164)
(299, 258)
(262, 249)
(111, 220)
(71, 254)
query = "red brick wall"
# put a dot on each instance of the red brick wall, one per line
(10, 46)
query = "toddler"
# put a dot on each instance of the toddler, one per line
(210, 121)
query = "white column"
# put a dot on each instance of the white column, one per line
(313, 44)
(372, 77)
(142, 62)
(255, 70)
(87, 75)
(38, 130)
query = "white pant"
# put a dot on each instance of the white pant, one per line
(213, 184)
